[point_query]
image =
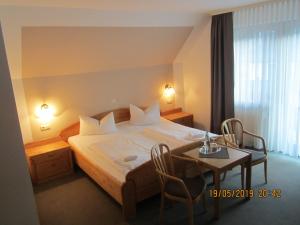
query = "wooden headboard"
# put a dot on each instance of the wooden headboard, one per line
(120, 115)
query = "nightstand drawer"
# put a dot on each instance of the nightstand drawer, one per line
(49, 159)
(54, 155)
(53, 168)
(179, 121)
(188, 121)
(185, 121)
(177, 116)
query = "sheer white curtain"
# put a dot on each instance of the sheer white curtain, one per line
(267, 72)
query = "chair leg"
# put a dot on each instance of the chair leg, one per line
(242, 176)
(190, 213)
(224, 175)
(266, 171)
(162, 205)
(204, 202)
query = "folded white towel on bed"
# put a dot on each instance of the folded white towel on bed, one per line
(130, 158)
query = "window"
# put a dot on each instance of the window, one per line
(267, 73)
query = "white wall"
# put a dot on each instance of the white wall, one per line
(191, 68)
(14, 18)
(87, 70)
(12, 38)
(92, 93)
(192, 72)
(17, 204)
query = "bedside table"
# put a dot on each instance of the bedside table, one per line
(49, 159)
(177, 116)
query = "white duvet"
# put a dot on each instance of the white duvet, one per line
(130, 146)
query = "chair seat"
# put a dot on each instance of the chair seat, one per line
(195, 186)
(256, 155)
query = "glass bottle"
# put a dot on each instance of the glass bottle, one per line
(206, 143)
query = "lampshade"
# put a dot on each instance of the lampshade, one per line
(45, 114)
(169, 93)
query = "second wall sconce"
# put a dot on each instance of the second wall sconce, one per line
(169, 93)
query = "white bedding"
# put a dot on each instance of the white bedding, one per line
(112, 151)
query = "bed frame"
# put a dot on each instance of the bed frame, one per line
(141, 183)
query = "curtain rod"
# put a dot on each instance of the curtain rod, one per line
(221, 11)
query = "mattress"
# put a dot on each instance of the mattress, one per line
(120, 152)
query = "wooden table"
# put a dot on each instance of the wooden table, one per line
(218, 166)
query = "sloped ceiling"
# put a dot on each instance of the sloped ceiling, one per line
(199, 6)
(53, 51)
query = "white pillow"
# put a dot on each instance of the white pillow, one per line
(150, 116)
(91, 126)
(107, 123)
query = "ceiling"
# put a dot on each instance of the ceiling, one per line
(201, 6)
(78, 50)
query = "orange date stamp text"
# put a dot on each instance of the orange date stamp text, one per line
(244, 193)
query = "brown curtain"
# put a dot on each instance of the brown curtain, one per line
(222, 90)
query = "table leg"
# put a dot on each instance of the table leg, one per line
(248, 177)
(216, 199)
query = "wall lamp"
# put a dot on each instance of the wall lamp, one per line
(169, 93)
(45, 114)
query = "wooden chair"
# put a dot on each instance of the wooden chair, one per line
(174, 188)
(233, 134)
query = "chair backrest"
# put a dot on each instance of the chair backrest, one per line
(232, 130)
(161, 157)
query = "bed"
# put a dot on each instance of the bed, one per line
(102, 156)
